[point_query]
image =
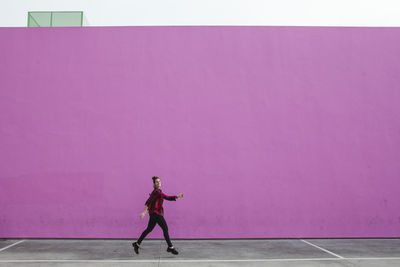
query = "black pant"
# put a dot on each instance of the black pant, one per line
(156, 218)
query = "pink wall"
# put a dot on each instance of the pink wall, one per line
(269, 131)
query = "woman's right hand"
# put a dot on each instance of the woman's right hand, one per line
(142, 215)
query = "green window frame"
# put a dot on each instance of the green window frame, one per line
(55, 18)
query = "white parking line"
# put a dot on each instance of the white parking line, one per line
(199, 260)
(230, 240)
(334, 254)
(12, 245)
(177, 261)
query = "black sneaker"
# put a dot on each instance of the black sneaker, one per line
(173, 250)
(135, 247)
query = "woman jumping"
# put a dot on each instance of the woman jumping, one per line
(156, 212)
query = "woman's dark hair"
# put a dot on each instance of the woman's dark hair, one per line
(155, 178)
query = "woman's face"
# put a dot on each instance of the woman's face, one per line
(157, 183)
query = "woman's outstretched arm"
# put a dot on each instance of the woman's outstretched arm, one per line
(164, 196)
(171, 197)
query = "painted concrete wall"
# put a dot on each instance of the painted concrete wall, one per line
(377, 13)
(268, 131)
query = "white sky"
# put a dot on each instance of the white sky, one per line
(13, 13)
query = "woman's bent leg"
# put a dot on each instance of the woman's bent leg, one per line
(150, 227)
